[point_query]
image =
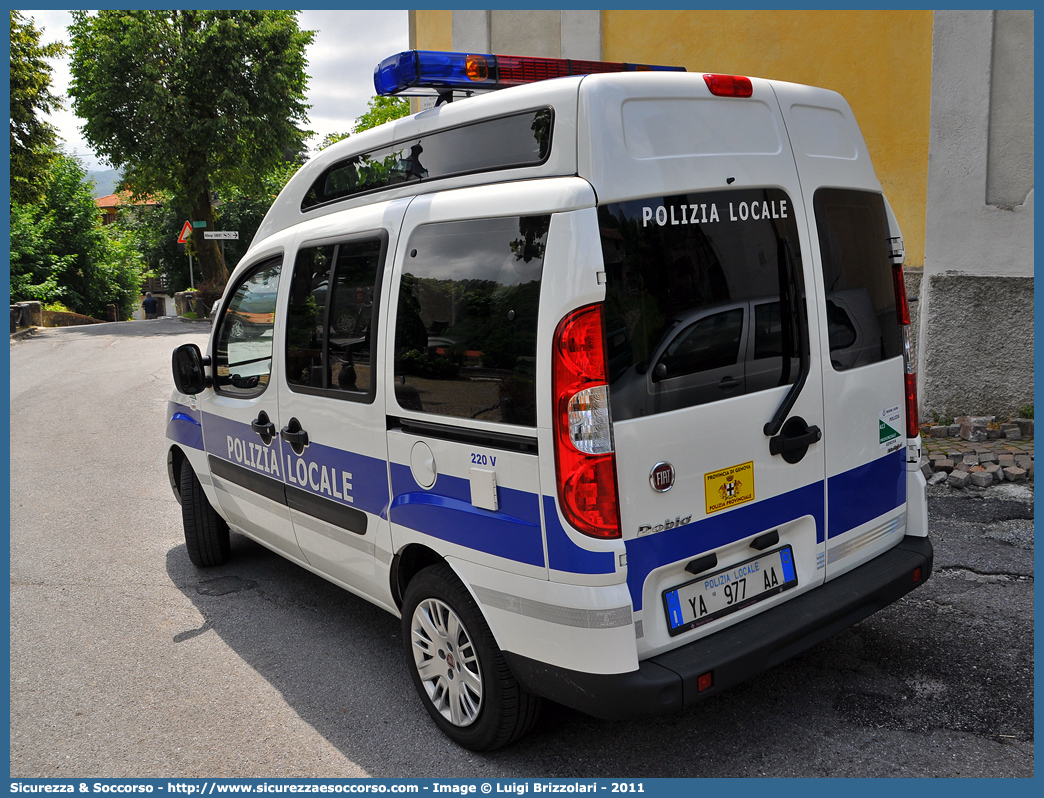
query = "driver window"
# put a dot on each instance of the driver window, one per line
(243, 353)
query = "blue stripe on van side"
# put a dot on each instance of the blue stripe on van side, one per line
(864, 493)
(445, 511)
(184, 426)
(645, 554)
(564, 555)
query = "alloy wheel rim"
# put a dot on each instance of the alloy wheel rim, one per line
(447, 662)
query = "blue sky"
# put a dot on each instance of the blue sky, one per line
(346, 48)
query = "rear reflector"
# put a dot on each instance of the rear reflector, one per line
(705, 681)
(729, 85)
(917, 574)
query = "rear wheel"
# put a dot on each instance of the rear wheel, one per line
(206, 533)
(456, 666)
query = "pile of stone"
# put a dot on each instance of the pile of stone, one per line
(983, 428)
(984, 454)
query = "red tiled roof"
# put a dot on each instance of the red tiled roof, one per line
(122, 198)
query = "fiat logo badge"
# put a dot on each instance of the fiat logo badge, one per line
(662, 477)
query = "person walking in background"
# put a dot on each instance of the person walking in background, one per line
(149, 304)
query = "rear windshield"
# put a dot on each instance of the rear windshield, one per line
(703, 298)
(862, 322)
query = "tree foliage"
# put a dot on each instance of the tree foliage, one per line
(191, 100)
(381, 110)
(32, 139)
(61, 253)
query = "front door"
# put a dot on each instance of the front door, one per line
(241, 415)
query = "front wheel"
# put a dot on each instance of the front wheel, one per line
(206, 533)
(456, 666)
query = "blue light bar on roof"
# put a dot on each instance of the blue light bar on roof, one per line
(426, 69)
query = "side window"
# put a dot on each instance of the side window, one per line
(243, 352)
(466, 324)
(699, 282)
(863, 325)
(330, 334)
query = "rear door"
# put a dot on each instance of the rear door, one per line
(862, 357)
(700, 207)
(332, 397)
(705, 497)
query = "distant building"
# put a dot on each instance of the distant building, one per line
(108, 204)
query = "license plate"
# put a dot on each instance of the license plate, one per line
(702, 600)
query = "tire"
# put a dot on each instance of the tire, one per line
(460, 674)
(206, 533)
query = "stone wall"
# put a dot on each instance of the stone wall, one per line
(977, 338)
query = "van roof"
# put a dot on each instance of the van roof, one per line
(601, 135)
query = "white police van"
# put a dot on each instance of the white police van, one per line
(601, 383)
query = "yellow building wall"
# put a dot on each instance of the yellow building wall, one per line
(880, 61)
(431, 30)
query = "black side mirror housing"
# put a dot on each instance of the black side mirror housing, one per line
(187, 363)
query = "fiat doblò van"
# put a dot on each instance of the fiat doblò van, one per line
(600, 383)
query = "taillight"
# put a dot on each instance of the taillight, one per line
(902, 309)
(585, 466)
(729, 85)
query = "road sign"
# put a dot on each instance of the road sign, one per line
(186, 231)
(225, 235)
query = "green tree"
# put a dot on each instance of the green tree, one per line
(61, 253)
(32, 139)
(189, 101)
(381, 110)
(332, 138)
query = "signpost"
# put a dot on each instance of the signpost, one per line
(186, 231)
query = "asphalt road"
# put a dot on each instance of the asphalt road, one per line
(128, 661)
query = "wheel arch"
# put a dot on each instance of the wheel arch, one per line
(175, 457)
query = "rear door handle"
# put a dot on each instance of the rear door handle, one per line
(794, 439)
(295, 436)
(728, 383)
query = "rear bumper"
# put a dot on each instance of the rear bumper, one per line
(667, 682)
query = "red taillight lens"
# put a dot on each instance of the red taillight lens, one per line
(729, 85)
(902, 307)
(912, 425)
(584, 462)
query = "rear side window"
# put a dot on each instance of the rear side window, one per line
(862, 322)
(503, 143)
(330, 335)
(466, 323)
(703, 298)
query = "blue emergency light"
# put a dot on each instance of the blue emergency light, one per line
(443, 72)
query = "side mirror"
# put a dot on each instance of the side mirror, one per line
(660, 372)
(187, 364)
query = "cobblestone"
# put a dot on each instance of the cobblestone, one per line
(978, 464)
